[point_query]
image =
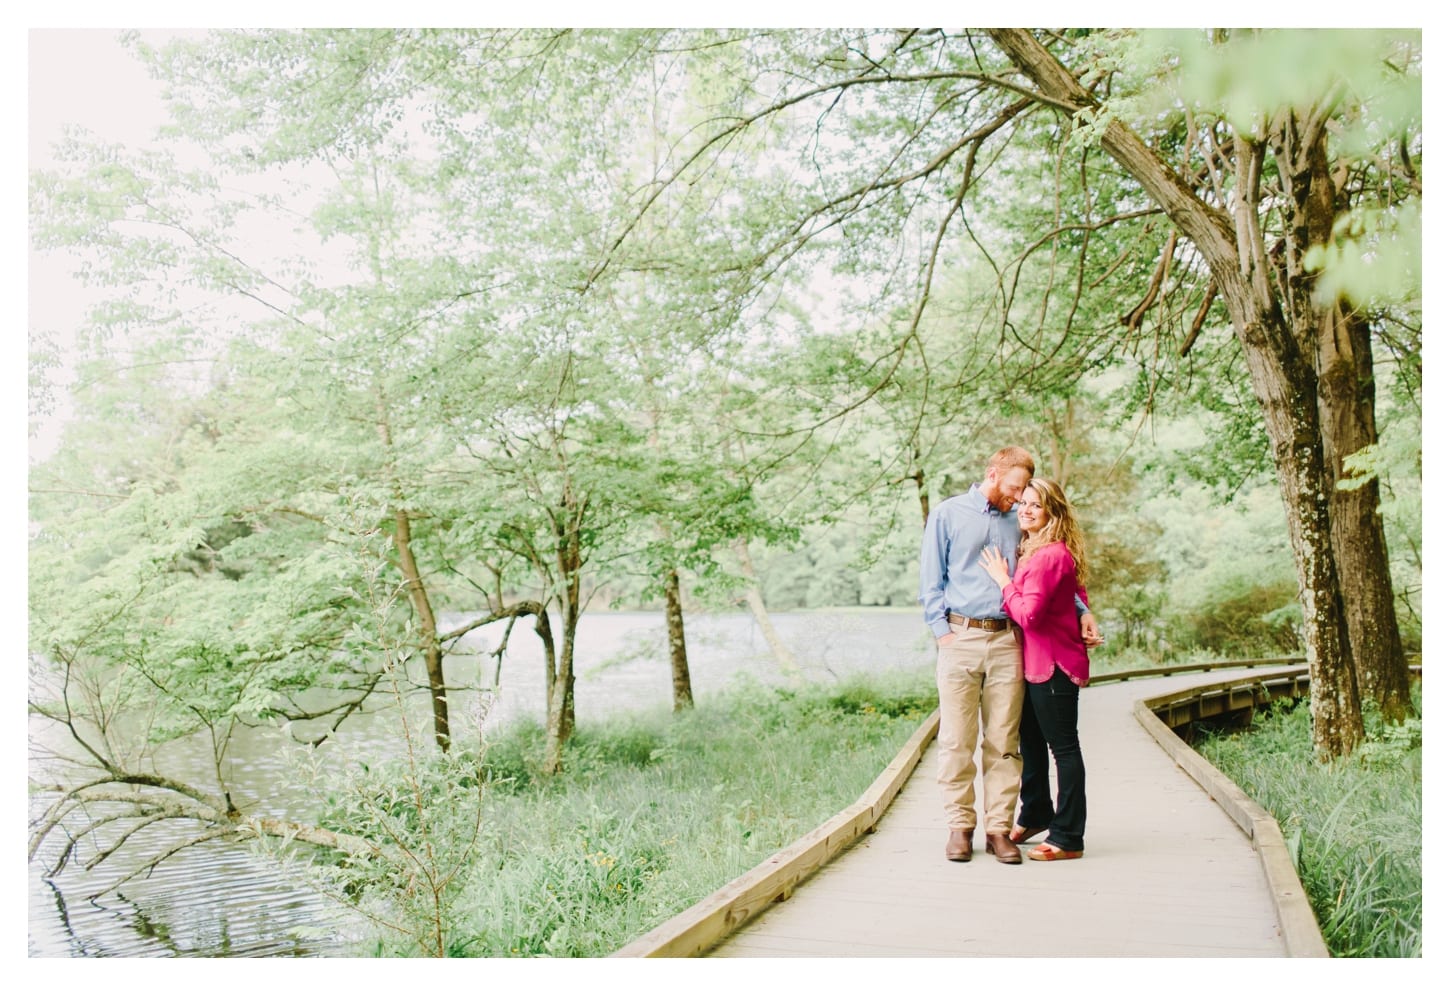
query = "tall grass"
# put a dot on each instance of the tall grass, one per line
(1353, 825)
(656, 812)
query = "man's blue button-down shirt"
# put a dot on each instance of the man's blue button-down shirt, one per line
(951, 547)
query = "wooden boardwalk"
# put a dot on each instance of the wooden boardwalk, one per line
(1166, 872)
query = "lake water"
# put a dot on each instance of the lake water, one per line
(216, 900)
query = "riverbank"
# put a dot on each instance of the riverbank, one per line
(221, 900)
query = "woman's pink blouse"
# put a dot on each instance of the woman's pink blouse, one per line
(1039, 600)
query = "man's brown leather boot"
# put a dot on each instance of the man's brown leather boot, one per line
(959, 845)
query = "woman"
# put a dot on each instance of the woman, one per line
(1039, 599)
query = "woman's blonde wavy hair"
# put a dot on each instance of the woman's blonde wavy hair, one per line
(1061, 525)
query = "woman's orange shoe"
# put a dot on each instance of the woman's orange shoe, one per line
(1047, 852)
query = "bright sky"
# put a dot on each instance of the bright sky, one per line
(113, 99)
(116, 101)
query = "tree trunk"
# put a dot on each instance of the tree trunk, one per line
(560, 723)
(417, 591)
(427, 626)
(1346, 396)
(675, 622)
(1282, 371)
(756, 602)
(1059, 438)
(1291, 416)
(918, 476)
(1359, 539)
(570, 556)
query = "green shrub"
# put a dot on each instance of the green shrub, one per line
(1243, 620)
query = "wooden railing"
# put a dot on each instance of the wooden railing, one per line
(1235, 699)
(1166, 670)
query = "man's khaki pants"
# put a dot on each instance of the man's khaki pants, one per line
(979, 681)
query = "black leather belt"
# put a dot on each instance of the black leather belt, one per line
(993, 625)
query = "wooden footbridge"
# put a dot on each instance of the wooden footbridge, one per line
(1179, 861)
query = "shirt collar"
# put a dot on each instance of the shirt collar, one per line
(981, 504)
(979, 500)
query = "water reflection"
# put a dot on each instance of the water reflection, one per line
(218, 899)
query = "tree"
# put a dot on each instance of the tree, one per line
(436, 339)
(1307, 348)
(1258, 189)
(147, 634)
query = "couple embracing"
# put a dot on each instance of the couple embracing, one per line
(1002, 572)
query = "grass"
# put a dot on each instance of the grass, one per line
(1353, 825)
(654, 813)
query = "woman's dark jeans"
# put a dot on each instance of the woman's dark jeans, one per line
(1049, 721)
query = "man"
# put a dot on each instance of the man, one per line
(979, 658)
